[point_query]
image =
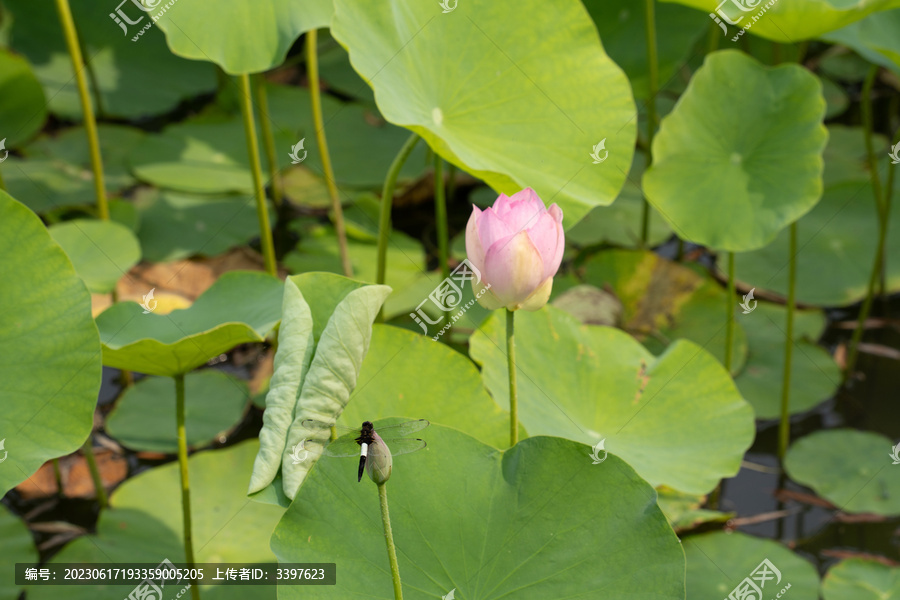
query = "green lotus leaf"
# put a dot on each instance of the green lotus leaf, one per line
(134, 79)
(361, 218)
(144, 416)
(837, 237)
(361, 143)
(409, 374)
(663, 301)
(45, 186)
(844, 65)
(22, 102)
(69, 150)
(845, 155)
(683, 510)
(208, 154)
(622, 28)
(204, 155)
(719, 562)
(338, 74)
(836, 98)
(19, 548)
(244, 36)
(101, 251)
(240, 307)
(554, 95)
(324, 336)
(49, 348)
(144, 524)
(590, 305)
(849, 468)
(789, 21)
(487, 524)
(677, 418)
(56, 171)
(408, 307)
(318, 251)
(814, 374)
(859, 579)
(874, 38)
(740, 156)
(174, 226)
(305, 189)
(620, 223)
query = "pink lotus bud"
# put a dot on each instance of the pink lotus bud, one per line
(517, 245)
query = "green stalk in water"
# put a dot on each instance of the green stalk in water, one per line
(653, 87)
(729, 314)
(384, 213)
(259, 191)
(185, 482)
(265, 126)
(315, 94)
(87, 109)
(784, 426)
(440, 214)
(88, 449)
(883, 209)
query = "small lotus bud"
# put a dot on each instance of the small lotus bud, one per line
(379, 462)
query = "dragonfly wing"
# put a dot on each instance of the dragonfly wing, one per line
(342, 448)
(404, 446)
(341, 430)
(404, 429)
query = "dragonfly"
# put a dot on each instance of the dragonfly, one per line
(374, 449)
